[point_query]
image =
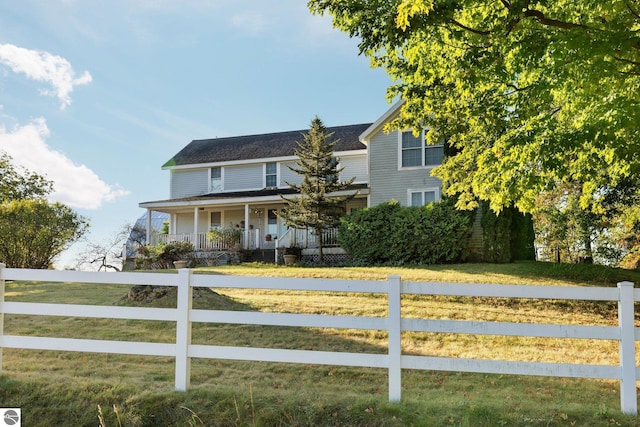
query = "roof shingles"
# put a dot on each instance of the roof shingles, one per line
(251, 147)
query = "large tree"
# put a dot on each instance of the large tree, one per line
(17, 183)
(33, 230)
(528, 93)
(317, 206)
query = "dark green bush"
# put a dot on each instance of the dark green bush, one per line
(508, 236)
(390, 234)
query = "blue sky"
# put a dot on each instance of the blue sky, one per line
(97, 95)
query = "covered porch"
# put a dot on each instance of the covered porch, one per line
(250, 226)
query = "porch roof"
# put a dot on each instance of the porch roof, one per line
(270, 145)
(239, 197)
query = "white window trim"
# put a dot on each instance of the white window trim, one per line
(264, 174)
(422, 153)
(221, 178)
(410, 191)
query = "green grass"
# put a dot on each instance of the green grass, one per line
(64, 388)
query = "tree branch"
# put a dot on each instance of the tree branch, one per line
(633, 12)
(517, 89)
(472, 30)
(541, 18)
(626, 61)
(554, 110)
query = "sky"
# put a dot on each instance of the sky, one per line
(97, 95)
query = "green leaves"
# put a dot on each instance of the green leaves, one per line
(530, 93)
(18, 183)
(35, 231)
(391, 234)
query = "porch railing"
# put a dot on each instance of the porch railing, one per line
(252, 239)
(200, 241)
(306, 238)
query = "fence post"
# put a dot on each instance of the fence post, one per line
(395, 340)
(626, 318)
(2, 267)
(183, 330)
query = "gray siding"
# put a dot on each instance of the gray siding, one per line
(187, 183)
(386, 181)
(287, 175)
(244, 177)
(354, 166)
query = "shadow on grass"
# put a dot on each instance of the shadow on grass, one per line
(263, 336)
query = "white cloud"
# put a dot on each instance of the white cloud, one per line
(74, 185)
(44, 67)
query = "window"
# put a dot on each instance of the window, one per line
(416, 153)
(422, 197)
(216, 179)
(216, 221)
(271, 175)
(411, 150)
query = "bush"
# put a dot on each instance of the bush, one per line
(390, 234)
(507, 237)
(228, 237)
(163, 255)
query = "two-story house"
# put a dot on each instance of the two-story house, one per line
(236, 182)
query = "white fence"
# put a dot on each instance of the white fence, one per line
(394, 361)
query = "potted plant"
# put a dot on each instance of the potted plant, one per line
(181, 263)
(291, 255)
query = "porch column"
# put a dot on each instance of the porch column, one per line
(245, 239)
(173, 224)
(196, 219)
(148, 236)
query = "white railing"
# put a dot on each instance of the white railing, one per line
(394, 361)
(252, 239)
(200, 241)
(306, 238)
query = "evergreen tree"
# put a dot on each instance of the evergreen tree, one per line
(317, 207)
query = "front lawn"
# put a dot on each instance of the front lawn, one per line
(66, 388)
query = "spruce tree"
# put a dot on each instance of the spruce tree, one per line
(317, 206)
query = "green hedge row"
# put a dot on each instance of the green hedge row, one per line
(391, 234)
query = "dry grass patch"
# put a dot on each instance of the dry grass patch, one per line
(247, 393)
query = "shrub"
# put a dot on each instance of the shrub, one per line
(507, 237)
(228, 237)
(163, 255)
(390, 234)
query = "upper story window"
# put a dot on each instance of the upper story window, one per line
(416, 153)
(271, 175)
(216, 179)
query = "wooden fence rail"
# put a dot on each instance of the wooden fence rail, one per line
(394, 361)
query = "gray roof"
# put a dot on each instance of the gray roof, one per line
(280, 144)
(245, 194)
